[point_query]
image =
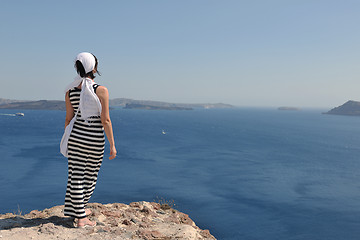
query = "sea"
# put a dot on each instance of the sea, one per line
(242, 173)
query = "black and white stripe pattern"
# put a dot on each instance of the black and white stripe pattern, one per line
(85, 154)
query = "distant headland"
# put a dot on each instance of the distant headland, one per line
(350, 108)
(151, 107)
(125, 103)
(32, 105)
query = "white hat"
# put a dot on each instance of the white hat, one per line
(87, 60)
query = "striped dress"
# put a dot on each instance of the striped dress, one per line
(85, 154)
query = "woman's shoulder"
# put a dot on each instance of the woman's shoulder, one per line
(102, 91)
(101, 88)
(95, 87)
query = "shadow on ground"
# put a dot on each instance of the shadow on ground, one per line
(19, 221)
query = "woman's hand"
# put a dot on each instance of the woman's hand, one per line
(112, 153)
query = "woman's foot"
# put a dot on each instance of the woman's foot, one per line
(85, 222)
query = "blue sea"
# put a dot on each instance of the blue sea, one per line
(242, 173)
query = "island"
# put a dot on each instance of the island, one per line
(288, 109)
(350, 108)
(118, 221)
(117, 102)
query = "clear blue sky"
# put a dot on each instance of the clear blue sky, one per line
(302, 53)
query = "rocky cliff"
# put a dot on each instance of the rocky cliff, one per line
(138, 220)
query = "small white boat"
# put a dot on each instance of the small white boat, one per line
(163, 132)
(20, 114)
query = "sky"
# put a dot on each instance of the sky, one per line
(258, 53)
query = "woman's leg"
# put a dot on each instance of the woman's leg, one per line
(74, 198)
(86, 149)
(92, 168)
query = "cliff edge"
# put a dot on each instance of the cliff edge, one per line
(138, 220)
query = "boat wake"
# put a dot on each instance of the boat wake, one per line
(13, 115)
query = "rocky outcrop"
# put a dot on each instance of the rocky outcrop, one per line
(138, 220)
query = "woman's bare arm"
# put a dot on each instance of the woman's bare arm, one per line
(69, 109)
(103, 95)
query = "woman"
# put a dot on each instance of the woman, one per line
(87, 117)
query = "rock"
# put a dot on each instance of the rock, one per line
(146, 210)
(138, 220)
(101, 230)
(156, 206)
(48, 228)
(35, 212)
(126, 222)
(135, 204)
(112, 213)
(150, 234)
(7, 215)
(157, 220)
(184, 219)
(205, 233)
(101, 218)
(134, 220)
(160, 212)
(144, 225)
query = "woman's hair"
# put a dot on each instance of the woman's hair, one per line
(81, 70)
